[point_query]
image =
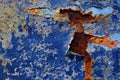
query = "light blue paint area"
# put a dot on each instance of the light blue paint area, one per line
(114, 37)
(96, 11)
(105, 47)
(118, 46)
(77, 3)
(90, 48)
(74, 7)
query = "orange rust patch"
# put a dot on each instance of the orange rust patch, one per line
(105, 41)
(33, 11)
(61, 17)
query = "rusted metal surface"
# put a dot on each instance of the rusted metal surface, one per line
(77, 18)
(80, 41)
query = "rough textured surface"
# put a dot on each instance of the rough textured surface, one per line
(33, 47)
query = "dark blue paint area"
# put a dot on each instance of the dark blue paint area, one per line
(116, 7)
(48, 77)
(101, 62)
(116, 2)
(116, 56)
(2, 74)
(114, 18)
(100, 52)
(58, 38)
(69, 72)
(99, 73)
(20, 28)
(2, 50)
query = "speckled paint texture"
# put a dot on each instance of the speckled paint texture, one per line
(35, 39)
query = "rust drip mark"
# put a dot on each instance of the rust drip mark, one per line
(78, 18)
(24, 27)
(80, 43)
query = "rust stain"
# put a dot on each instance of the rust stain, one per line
(105, 41)
(80, 43)
(63, 17)
(78, 18)
(24, 27)
(33, 11)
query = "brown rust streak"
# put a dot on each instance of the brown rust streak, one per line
(78, 18)
(80, 42)
(79, 45)
(24, 27)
